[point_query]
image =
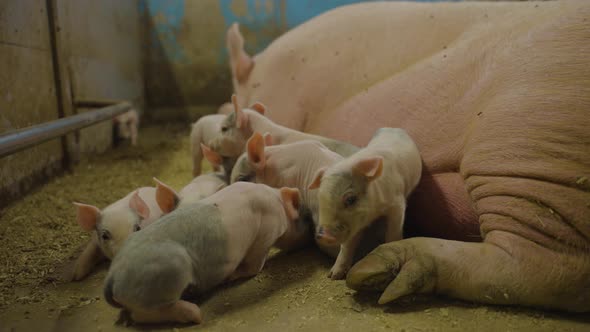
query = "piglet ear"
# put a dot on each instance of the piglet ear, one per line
(138, 205)
(317, 179)
(290, 198)
(267, 139)
(87, 216)
(212, 157)
(166, 197)
(259, 107)
(240, 62)
(255, 149)
(370, 168)
(241, 117)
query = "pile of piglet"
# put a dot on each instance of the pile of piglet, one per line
(271, 186)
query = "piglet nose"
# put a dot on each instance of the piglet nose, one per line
(324, 235)
(319, 234)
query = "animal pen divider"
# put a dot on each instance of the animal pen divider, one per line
(24, 138)
(67, 102)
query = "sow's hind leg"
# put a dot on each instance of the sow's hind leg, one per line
(527, 176)
(530, 256)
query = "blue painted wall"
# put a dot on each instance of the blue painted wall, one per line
(185, 42)
(168, 15)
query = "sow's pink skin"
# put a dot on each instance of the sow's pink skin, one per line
(222, 237)
(111, 226)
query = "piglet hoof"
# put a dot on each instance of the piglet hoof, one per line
(77, 273)
(338, 272)
(395, 268)
(188, 312)
(179, 312)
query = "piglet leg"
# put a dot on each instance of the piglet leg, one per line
(88, 259)
(395, 222)
(181, 312)
(253, 262)
(345, 257)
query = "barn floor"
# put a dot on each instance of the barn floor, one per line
(39, 239)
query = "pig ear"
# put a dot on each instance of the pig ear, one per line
(317, 179)
(255, 147)
(241, 117)
(290, 197)
(166, 197)
(212, 157)
(138, 205)
(370, 168)
(240, 62)
(87, 216)
(258, 107)
(267, 139)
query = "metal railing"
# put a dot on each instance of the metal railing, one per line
(21, 139)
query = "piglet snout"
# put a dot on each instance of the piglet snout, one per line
(325, 236)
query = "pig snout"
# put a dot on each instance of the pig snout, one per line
(325, 236)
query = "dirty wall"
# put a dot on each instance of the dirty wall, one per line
(98, 57)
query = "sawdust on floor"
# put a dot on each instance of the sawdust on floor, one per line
(39, 240)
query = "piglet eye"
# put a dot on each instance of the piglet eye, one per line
(136, 227)
(350, 200)
(224, 129)
(105, 235)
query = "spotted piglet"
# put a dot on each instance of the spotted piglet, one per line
(222, 237)
(374, 182)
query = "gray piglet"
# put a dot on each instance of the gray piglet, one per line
(223, 237)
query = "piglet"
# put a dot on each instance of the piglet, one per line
(237, 127)
(126, 126)
(111, 226)
(200, 187)
(287, 165)
(203, 130)
(222, 237)
(374, 182)
(224, 165)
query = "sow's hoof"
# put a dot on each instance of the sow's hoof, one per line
(396, 268)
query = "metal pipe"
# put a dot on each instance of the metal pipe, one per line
(90, 103)
(26, 137)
